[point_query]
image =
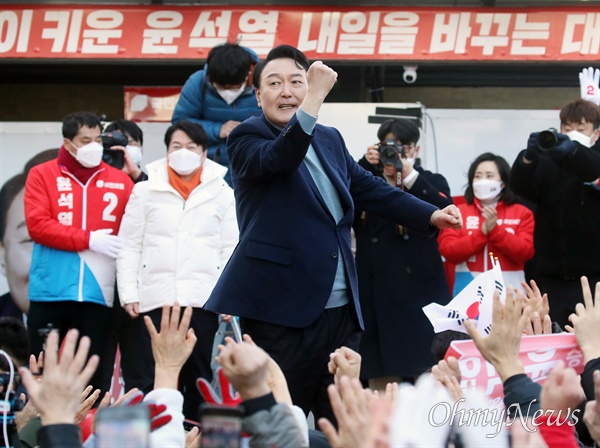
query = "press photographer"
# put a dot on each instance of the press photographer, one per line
(131, 147)
(114, 157)
(399, 271)
(559, 172)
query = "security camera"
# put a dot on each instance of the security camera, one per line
(410, 74)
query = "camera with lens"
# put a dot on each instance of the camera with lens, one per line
(114, 157)
(546, 140)
(388, 152)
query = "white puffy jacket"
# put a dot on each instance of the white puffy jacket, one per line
(175, 249)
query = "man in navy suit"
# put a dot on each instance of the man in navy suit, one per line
(292, 278)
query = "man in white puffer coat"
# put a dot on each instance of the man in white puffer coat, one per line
(179, 231)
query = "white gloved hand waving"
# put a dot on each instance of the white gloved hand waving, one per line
(589, 81)
(103, 242)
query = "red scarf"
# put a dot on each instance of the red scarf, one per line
(184, 187)
(83, 174)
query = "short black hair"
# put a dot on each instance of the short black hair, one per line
(193, 130)
(507, 195)
(14, 340)
(228, 64)
(580, 109)
(280, 52)
(11, 188)
(404, 130)
(76, 120)
(441, 343)
(126, 127)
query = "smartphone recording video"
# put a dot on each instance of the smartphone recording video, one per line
(221, 426)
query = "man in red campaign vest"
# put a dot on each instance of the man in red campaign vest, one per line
(73, 210)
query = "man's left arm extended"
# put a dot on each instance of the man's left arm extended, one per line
(374, 195)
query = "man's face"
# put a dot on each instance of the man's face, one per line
(84, 136)
(283, 87)
(131, 141)
(584, 126)
(15, 253)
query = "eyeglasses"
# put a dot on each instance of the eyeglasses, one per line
(410, 147)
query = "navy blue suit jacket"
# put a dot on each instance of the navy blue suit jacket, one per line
(282, 270)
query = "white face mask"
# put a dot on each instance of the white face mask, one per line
(230, 95)
(135, 152)
(184, 162)
(486, 189)
(411, 160)
(89, 155)
(577, 136)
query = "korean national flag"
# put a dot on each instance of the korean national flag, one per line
(474, 302)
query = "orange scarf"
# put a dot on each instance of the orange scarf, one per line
(184, 187)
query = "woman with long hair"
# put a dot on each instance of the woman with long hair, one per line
(494, 225)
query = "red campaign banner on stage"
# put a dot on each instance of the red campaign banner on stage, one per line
(539, 354)
(329, 33)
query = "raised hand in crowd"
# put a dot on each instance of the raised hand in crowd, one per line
(58, 396)
(246, 366)
(249, 370)
(561, 392)
(591, 417)
(447, 368)
(172, 346)
(192, 438)
(534, 299)
(344, 362)
(378, 435)
(88, 398)
(539, 322)
(391, 392)
(350, 404)
(29, 411)
(275, 378)
(560, 396)
(501, 346)
(586, 322)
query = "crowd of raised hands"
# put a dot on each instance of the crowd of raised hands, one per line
(60, 401)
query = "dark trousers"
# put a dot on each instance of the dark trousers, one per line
(89, 318)
(205, 325)
(563, 295)
(127, 333)
(303, 354)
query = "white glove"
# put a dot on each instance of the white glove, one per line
(103, 242)
(589, 81)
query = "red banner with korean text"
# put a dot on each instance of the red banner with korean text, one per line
(330, 33)
(539, 354)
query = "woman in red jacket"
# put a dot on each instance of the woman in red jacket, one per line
(493, 224)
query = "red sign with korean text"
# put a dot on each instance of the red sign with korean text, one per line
(539, 354)
(330, 33)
